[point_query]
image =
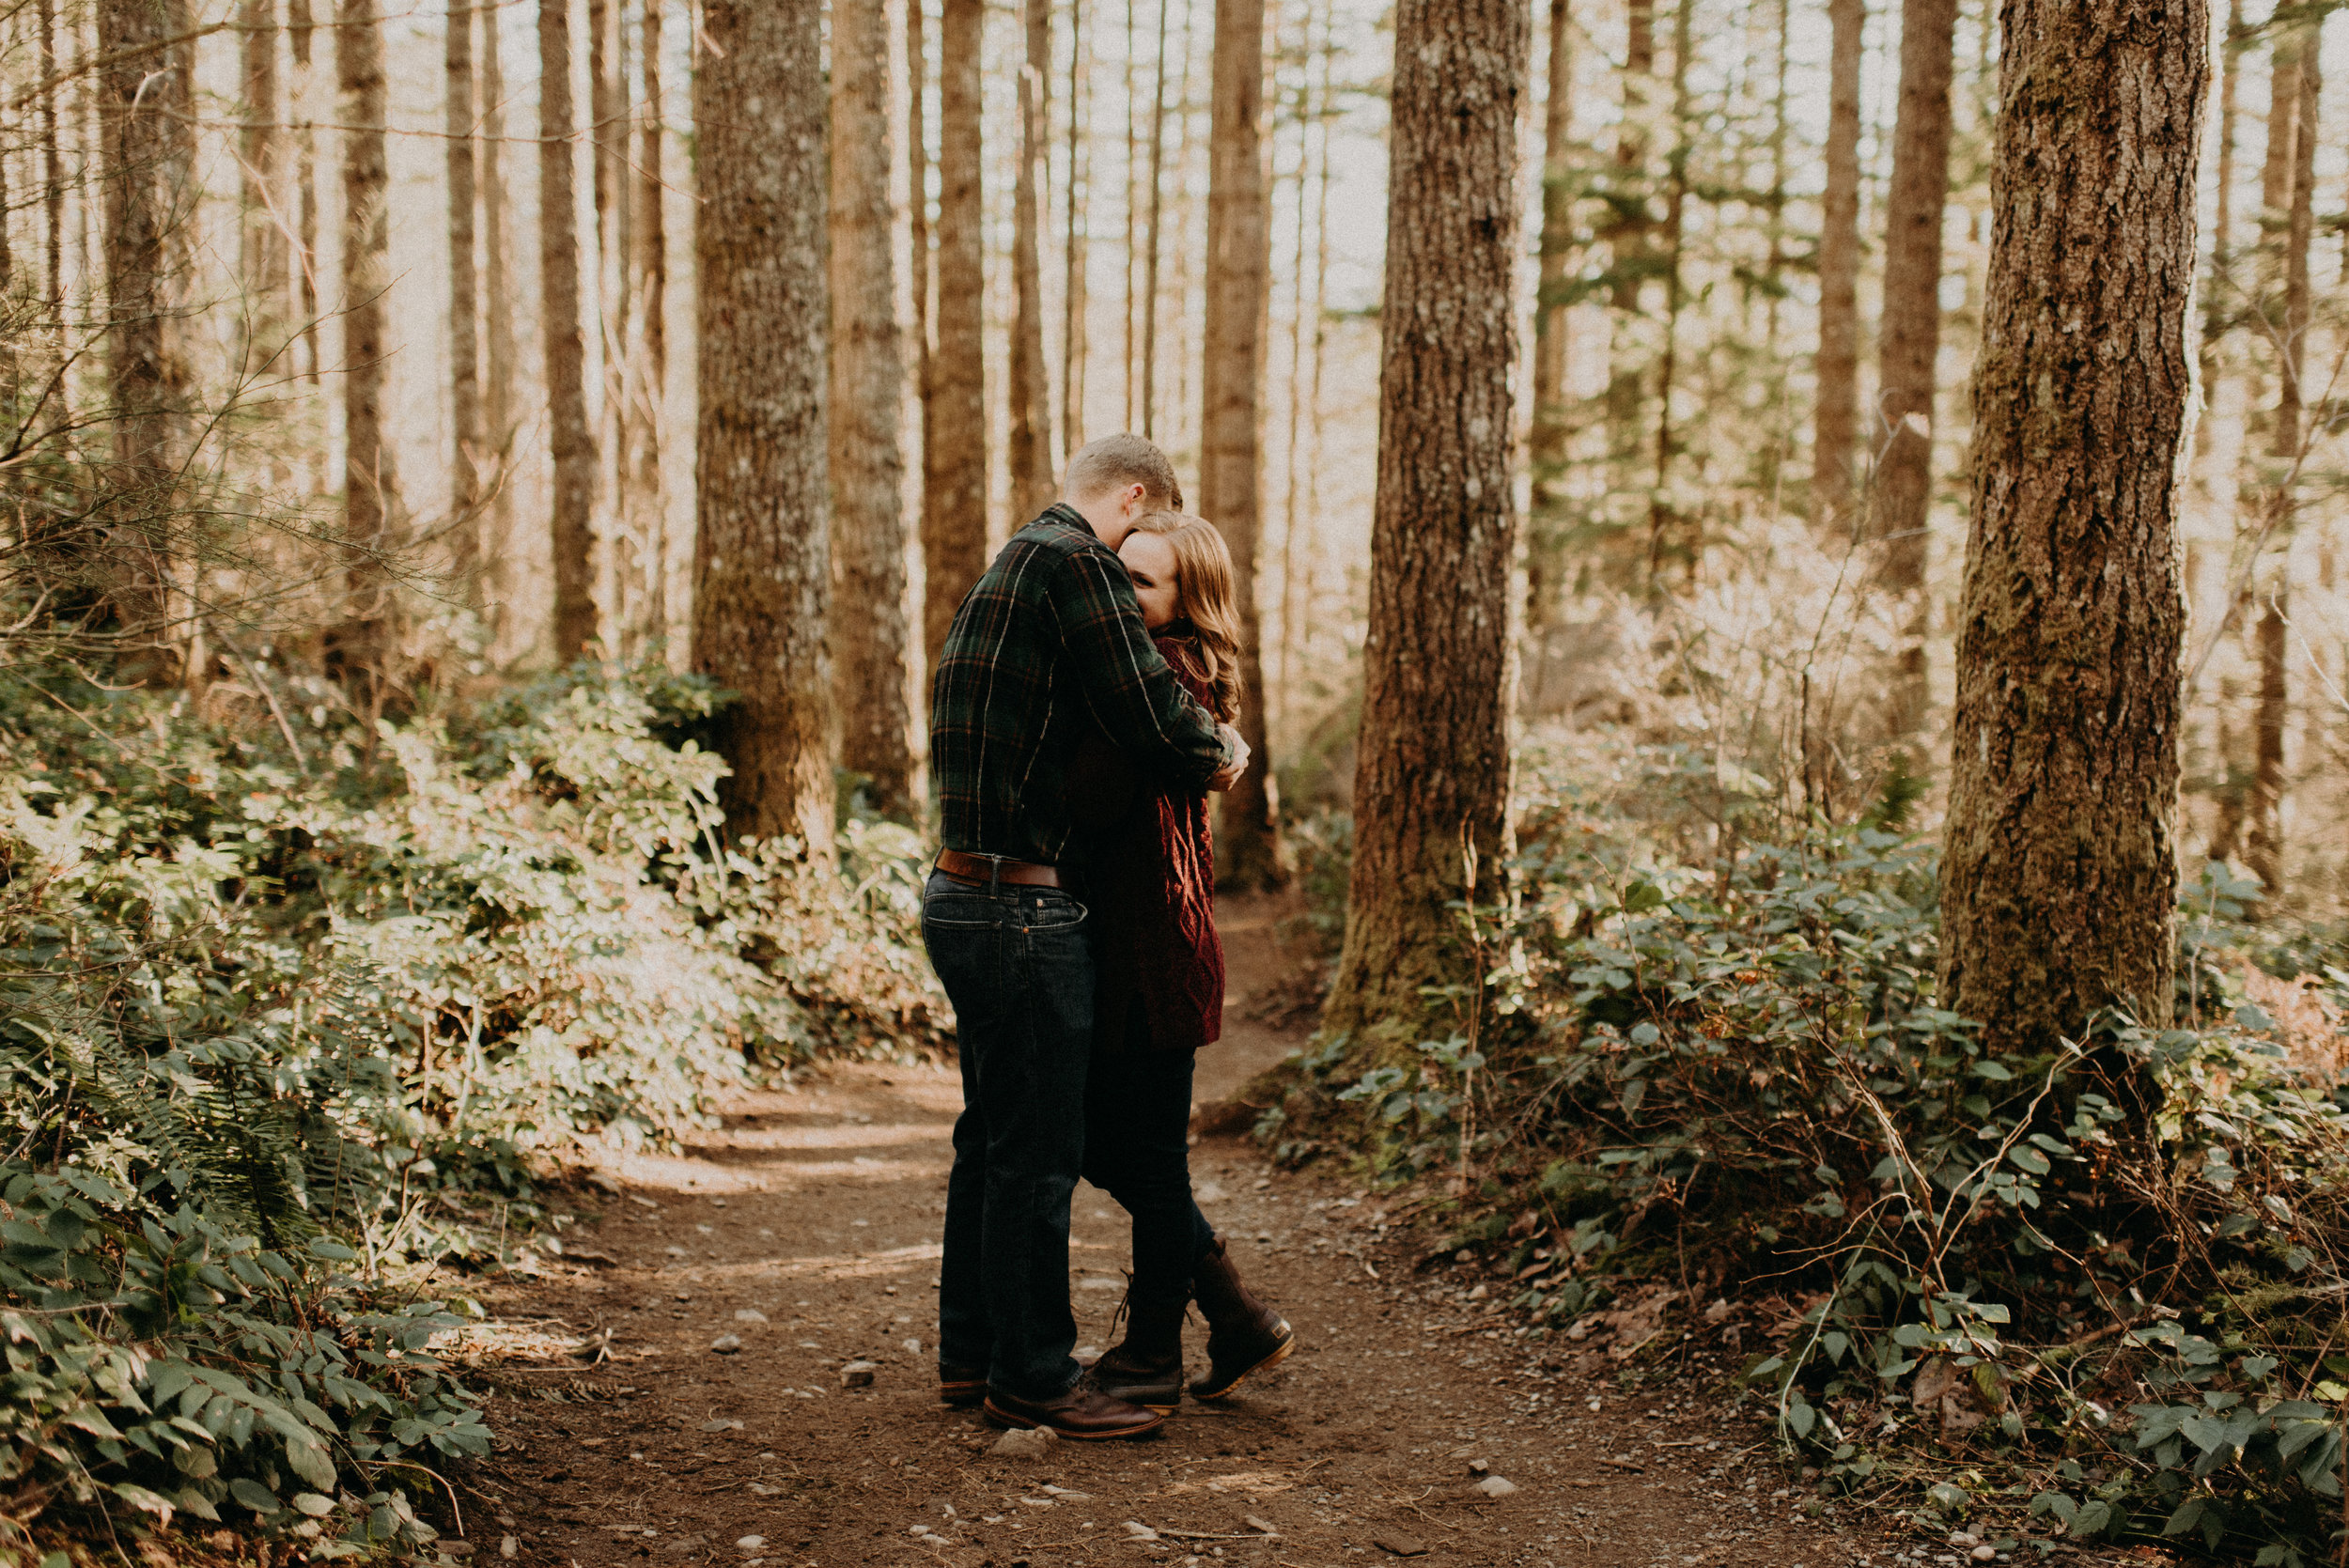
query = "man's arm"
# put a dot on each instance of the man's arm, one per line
(1140, 705)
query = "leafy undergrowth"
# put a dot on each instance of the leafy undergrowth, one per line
(2096, 1294)
(297, 1017)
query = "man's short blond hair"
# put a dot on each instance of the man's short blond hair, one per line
(1113, 462)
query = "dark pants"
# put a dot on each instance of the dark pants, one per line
(1017, 967)
(1138, 1151)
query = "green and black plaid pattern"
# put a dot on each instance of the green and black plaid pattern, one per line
(1048, 643)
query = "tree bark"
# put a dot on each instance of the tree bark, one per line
(53, 176)
(1629, 232)
(2059, 876)
(464, 309)
(652, 371)
(497, 319)
(1231, 456)
(1910, 344)
(1153, 243)
(1673, 539)
(762, 567)
(261, 249)
(147, 178)
(572, 504)
(360, 648)
(871, 637)
(1432, 783)
(1029, 442)
(299, 32)
(2291, 158)
(954, 456)
(1074, 348)
(1546, 568)
(1835, 443)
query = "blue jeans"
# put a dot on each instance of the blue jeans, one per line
(1016, 963)
(1138, 1151)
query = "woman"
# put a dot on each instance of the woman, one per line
(1159, 996)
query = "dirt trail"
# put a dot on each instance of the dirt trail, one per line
(807, 1231)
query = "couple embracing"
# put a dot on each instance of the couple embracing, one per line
(1081, 711)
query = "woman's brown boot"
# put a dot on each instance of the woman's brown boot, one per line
(1147, 1366)
(1243, 1334)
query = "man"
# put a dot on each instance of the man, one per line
(1048, 645)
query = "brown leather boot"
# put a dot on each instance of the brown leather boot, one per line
(961, 1385)
(1083, 1414)
(1243, 1334)
(1145, 1367)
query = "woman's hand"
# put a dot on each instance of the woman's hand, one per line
(1238, 767)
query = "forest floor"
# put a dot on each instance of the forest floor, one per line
(725, 1289)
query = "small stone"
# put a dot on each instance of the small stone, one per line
(913, 1347)
(1984, 1554)
(858, 1374)
(1033, 1443)
(721, 1423)
(749, 1314)
(1478, 1466)
(1136, 1530)
(1264, 1525)
(1400, 1545)
(752, 1542)
(1494, 1486)
(725, 1344)
(508, 1546)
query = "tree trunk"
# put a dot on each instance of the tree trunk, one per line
(1029, 443)
(609, 266)
(1835, 443)
(571, 514)
(2298, 74)
(359, 648)
(464, 307)
(953, 455)
(762, 567)
(1910, 344)
(1073, 344)
(1231, 445)
(1627, 231)
(2059, 877)
(299, 32)
(147, 188)
(497, 319)
(1673, 539)
(1152, 239)
(1432, 783)
(261, 250)
(53, 176)
(652, 371)
(1545, 569)
(871, 639)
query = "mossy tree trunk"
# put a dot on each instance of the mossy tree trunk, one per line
(2060, 875)
(1432, 781)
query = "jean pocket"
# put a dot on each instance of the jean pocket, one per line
(961, 912)
(1057, 914)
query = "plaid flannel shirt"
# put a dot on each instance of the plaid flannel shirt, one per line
(1048, 645)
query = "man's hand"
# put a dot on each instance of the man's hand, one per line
(1230, 777)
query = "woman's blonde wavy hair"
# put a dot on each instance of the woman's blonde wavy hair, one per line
(1203, 596)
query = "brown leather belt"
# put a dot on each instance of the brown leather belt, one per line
(981, 868)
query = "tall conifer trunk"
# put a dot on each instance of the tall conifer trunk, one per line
(1231, 457)
(497, 316)
(262, 259)
(2059, 881)
(1029, 443)
(954, 456)
(1835, 443)
(1910, 342)
(2290, 194)
(145, 173)
(871, 639)
(1545, 556)
(572, 504)
(651, 261)
(464, 307)
(1432, 783)
(359, 648)
(762, 567)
